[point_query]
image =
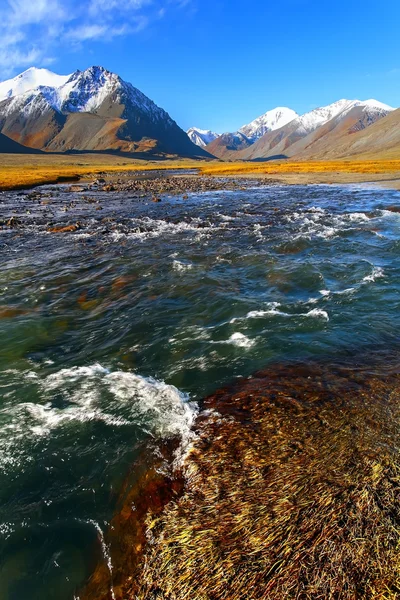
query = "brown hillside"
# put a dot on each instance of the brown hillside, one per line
(379, 140)
(228, 145)
(9, 146)
(290, 140)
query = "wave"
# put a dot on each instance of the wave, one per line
(377, 273)
(181, 267)
(274, 311)
(89, 394)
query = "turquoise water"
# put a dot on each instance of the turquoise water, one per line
(111, 335)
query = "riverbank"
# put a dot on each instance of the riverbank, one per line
(24, 171)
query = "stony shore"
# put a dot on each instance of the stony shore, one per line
(72, 207)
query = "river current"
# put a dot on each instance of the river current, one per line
(112, 334)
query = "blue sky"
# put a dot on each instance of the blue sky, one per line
(215, 63)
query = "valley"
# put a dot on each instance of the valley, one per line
(199, 368)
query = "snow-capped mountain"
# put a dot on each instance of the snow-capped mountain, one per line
(271, 120)
(341, 116)
(319, 116)
(37, 109)
(201, 137)
(83, 91)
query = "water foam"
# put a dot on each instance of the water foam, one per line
(274, 311)
(181, 267)
(377, 273)
(240, 340)
(90, 394)
(317, 313)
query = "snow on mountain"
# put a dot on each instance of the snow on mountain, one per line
(270, 121)
(83, 91)
(377, 105)
(30, 79)
(319, 116)
(201, 137)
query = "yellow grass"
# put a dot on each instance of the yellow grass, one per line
(21, 171)
(280, 168)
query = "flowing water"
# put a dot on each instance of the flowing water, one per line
(111, 335)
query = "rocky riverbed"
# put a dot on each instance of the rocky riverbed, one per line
(68, 208)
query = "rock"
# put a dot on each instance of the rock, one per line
(155, 199)
(13, 222)
(65, 229)
(77, 188)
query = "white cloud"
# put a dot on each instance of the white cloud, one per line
(13, 56)
(101, 6)
(31, 31)
(26, 12)
(97, 32)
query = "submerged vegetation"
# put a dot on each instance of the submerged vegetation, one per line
(292, 491)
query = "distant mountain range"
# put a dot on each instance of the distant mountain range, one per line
(281, 132)
(97, 111)
(92, 110)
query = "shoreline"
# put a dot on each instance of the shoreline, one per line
(84, 204)
(24, 172)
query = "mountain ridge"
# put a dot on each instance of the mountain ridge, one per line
(285, 140)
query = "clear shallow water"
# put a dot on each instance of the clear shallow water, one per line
(110, 334)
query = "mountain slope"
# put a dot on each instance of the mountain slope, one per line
(381, 139)
(201, 137)
(228, 145)
(8, 146)
(30, 119)
(340, 127)
(294, 137)
(41, 117)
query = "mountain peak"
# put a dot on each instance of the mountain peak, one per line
(269, 121)
(30, 79)
(201, 137)
(376, 104)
